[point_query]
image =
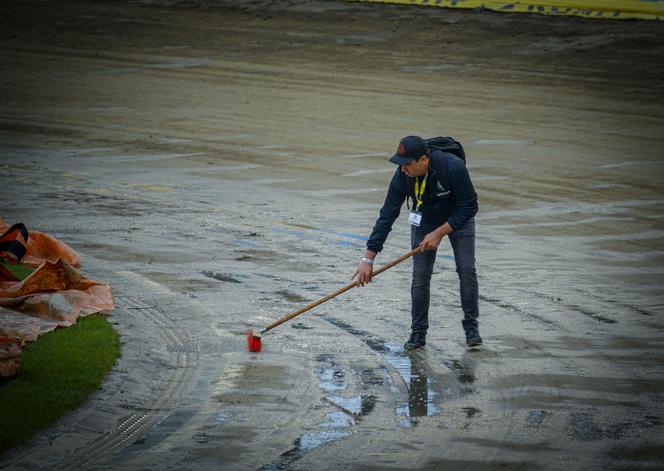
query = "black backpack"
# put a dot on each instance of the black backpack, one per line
(446, 144)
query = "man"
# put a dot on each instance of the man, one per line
(444, 203)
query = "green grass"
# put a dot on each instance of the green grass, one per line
(58, 373)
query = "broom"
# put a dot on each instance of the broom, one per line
(254, 338)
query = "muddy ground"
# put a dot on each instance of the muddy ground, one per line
(221, 164)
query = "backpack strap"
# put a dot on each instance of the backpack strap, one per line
(14, 243)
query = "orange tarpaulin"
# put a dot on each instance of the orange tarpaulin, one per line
(44, 247)
(54, 295)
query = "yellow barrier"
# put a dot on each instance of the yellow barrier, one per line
(608, 9)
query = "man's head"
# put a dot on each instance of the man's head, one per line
(412, 156)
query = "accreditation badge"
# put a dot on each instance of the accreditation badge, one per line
(415, 218)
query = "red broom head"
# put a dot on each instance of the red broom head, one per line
(253, 341)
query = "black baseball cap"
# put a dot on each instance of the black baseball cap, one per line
(410, 148)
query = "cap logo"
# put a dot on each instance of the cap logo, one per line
(401, 150)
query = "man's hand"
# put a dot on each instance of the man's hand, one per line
(362, 275)
(432, 240)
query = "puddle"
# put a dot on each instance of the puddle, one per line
(336, 424)
(371, 377)
(311, 440)
(357, 406)
(421, 393)
(332, 380)
(304, 444)
(220, 276)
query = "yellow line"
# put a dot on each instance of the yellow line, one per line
(605, 9)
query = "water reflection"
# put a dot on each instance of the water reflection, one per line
(421, 394)
(418, 392)
(357, 406)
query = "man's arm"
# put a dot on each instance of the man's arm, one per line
(396, 194)
(432, 239)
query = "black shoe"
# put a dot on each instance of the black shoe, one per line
(416, 340)
(473, 338)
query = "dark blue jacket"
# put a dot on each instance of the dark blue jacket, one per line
(449, 196)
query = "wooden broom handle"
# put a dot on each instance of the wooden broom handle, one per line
(339, 291)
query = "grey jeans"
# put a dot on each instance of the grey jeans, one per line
(463, 245)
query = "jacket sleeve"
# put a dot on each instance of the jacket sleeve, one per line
(464, 193)
(396, 194)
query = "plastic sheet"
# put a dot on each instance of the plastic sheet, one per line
(42, 247)
(54, 295)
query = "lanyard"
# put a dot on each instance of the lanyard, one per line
(419, 192)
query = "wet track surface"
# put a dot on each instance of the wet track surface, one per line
(222, 167)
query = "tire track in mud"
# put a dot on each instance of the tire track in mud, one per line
(506, 305)
(579, 423)
(182, 357)
(616, 302)
(574, 307)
